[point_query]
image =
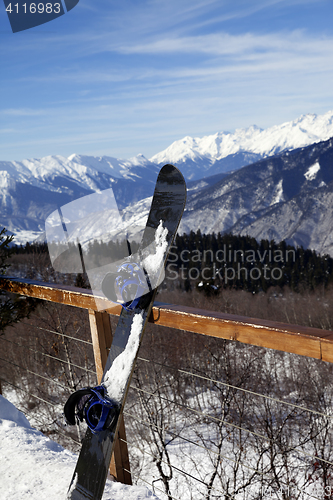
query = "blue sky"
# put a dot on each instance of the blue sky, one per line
(123, 78)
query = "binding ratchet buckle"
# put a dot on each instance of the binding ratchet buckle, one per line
(127, 285)
(92, 405)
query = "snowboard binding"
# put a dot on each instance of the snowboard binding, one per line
(92, 405)
(127, 285)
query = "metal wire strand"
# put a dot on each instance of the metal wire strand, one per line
(26, 413)
(150, 484)
(57, 333)
(49, 356)
(205, 415)
(182, 438)
(37, 374)
(27, 392)
(261, 436)
(172, 466)
(211, 451)
(167, 494)
(253, 393)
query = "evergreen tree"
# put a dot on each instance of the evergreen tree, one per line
(12, 309)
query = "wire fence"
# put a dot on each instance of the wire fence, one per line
(211, 420)
(259, 482)
(41, 366)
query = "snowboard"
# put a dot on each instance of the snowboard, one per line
(167, 206)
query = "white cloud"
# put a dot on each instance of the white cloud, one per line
(151, 69)
(214, 56)
(22, 112)
(224, 44)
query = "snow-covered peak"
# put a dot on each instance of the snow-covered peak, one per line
(305, 130)
(179, 151)
(139, 160)
(104, 164)
(86, 171)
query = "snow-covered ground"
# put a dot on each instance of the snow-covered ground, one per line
(34, 467)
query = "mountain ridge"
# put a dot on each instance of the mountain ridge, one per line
(194, 155)
(285, 197)
(234, 200)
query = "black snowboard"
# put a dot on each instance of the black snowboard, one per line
(166, 210)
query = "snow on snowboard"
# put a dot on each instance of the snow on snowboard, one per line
(134, 283)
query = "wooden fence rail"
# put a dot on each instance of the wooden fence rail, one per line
(306, 341)
(310, 342)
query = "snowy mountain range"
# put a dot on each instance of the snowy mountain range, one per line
(281, 192)
(224, 151)
(285, 197)
(31, 189)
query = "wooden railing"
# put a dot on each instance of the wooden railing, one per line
(306, 341)
(310, 342)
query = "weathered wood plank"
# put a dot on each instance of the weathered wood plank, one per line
(120, 464)
(270, 334)
(61, 294)
(327, 348)
(306, 341)
(101, 337)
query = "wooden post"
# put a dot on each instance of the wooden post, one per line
(101, 335)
